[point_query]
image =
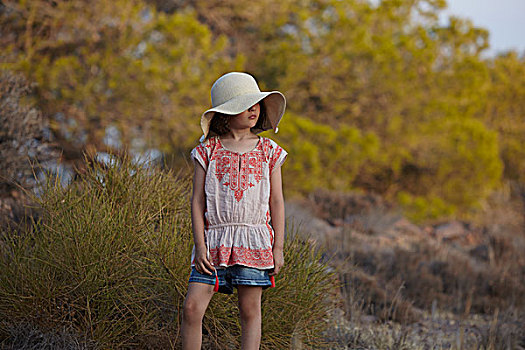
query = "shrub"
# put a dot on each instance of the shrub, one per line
(455, 167)
(324, 157)
(108, 259)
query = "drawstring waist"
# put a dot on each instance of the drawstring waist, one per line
(264, 226)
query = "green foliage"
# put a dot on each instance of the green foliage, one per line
(120, 63)
(323, 157)
(389, 70)
(456, 165)
(504, 109)
(108, 259)
(420, 208)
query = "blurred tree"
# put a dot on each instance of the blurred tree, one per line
(323, 157)
(25, 140)
(120, 63)
(372, 85)
(504, 110)
(456, 165)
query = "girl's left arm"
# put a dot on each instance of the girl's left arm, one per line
(277, 216)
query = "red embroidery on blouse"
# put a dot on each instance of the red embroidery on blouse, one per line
(275, 157)
(228, 256)
(203, 155)
(267, 147)
(239, 167)
(211, 142)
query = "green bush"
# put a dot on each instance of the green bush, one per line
(454, 168)
(324, 157)
(108, 259)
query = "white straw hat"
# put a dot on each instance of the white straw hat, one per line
(235, 92)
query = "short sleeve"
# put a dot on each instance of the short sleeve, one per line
(278, 156)
(200, 155)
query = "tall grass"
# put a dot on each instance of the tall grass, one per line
(107, 258)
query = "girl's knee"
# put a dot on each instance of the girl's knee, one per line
(192, 311)
(250, 309)
(250, 314)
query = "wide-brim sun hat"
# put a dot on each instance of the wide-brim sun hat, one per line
(235, 92)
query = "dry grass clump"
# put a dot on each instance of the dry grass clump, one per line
(29, 337)
(451, 278)
(383, 302)
(504, 330)
(107, 259)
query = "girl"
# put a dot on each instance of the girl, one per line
(237, 207)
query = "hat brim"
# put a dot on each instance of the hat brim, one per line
(274, 101)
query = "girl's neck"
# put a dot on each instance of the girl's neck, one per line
(239, 134)
(239, 142)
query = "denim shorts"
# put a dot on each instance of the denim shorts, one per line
(232, 276)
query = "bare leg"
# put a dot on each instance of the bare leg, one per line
(195, 305)
(250, 310)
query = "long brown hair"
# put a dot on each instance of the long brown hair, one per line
(220, 122)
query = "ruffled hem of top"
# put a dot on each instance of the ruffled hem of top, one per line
(248, 245)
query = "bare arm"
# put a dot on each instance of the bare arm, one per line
(198, 205)
(277, 215)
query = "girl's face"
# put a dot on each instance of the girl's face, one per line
(246, 119)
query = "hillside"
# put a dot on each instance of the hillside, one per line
(452, 284)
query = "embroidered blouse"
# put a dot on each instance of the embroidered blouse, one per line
(237, 187)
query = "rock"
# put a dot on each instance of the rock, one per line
(404, 226)
(307, 223)
(450, 230)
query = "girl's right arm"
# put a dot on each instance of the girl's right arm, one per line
(198, 204)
